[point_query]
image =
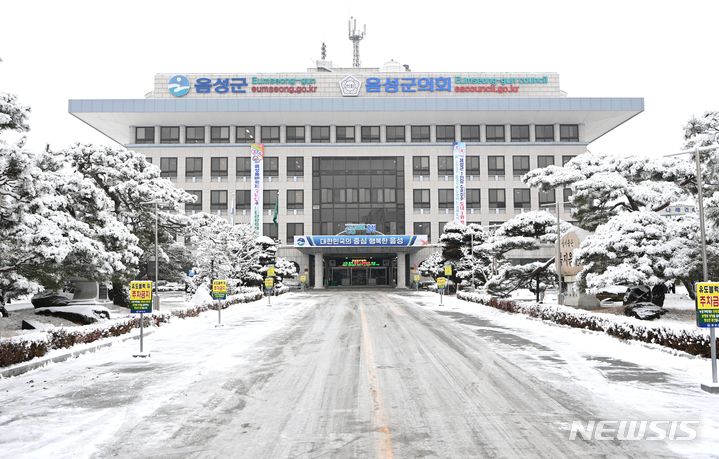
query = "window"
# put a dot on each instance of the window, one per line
(445, 165)
(197, 205)
(270, 134)
(195, 134)
(441, 227)
(520, 165)
(370, 134)
(495, 133)
(269, 198)
(567, 158)
(470, 133)
(474, 198)
(522, 198)
(495, 165)
(423, 228)
(245, 134)
(295, 166)
(395, 134)
(545, 160)
(294, 229)
(295, 134)
(295, 199)
(546, 197)
(218, 167)
(519, 132)
(420, 133)
(320, 134)
(271, 167)
(445, 133)
(220, 134)
(218, 200)
(168, 167)
(243, 167)
(270, 230)
(569, 132)
(148, 159)
(243, 199)
(497, 199)
(445, 198)
(170, 134)
(544, 133)
(145, 135)
(345, 134)
(567, 195)
(193, 167)
(472, 165)
(420, 165)
(421, 199)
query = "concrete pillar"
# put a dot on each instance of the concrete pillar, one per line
(258, 133)
(401, 271)
(358, 133)
(457, 132)
(382, 133)
(556, 132)
(507, 132)
(131, 138)
(407, 133)
(283, 133)
(319, 271)
(183, 133)
(532, 133)
(308, 133)
(433, 133)
(333, 133)
(157, 134)
(483, 133)
(208, 131)
(233, 133)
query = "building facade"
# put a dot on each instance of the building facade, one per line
(361, 154)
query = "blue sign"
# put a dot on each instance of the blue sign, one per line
(362, 241)
(393, 85)
(220, 85)
(178, 85)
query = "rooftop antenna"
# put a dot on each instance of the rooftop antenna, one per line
(324, 51)
(356, 36)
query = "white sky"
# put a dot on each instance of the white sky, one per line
(663, 51)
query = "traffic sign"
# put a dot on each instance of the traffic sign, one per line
(269, 282)
(448, 270)
(707, 305)
(441, 282)
(271, 271)
(219, 289)
(140, 297)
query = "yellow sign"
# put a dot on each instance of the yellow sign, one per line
(448, 270)
(708, 304)
(140, 296)
(271, 271)
(417, 277)
(219, 286)
(269, 282)
(303, 278)
(441, 282)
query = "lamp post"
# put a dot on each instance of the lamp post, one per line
(155, 296)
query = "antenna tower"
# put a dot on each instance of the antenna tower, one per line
(356, 36)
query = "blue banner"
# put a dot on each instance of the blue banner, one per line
(362, 241)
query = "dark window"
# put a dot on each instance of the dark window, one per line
(243, 199)
(345, 134)
(420, 165)
(243, 167)
(522, 198)
(295, 166)
(370, 134)
(520, 165)
(295, 134)
(295, 199)
(269, 198)
(270, 134)
(218, 200)
(520, 133)
(245, 134)
(148, 159)
(220, 134)
(421, 199)
(545, 160)
(420, 133)
(193, 167)
(470, 133)
(567, 158)
(445, 133)
(218, 167)
(567, 194)
(497, 199)
(546, 197)
(170, 134)
(445, 198)
(195, 134)
(474, 198)
(320, 134)
(168, 167)
(569, 132)
(423, 228)
(197, 205)
(441, 227)
(495, 165)
(472, 165)
(270, 230)
(271, 166)
(544, 133)
(495, 133)
(145, 134)
(445, 166)
(395, 134)
(294, 229)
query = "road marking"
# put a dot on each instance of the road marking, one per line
(379, 417)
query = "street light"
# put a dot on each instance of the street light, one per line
(157, 258)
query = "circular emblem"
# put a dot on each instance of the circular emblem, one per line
(301, 242)
(350, 86)
(178, 85)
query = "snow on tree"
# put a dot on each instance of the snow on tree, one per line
(284, 269)
(432, 266)
(13, 115)
(457, 244)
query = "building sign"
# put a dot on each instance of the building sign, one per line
(140, 297)
(360, 262)
(708, 304)
(178, 85)
(441, 283)
(350, 86)
(495, 85)
(219, 289)
(353, 228)
(460, 186)
(393, 85)
(257, 152)
(567, 245)
(361, 241)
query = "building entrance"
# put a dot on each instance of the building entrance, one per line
(358, 271)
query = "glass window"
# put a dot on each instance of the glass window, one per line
(567, 195)
(197, 205)
(148, 159)
(370, 134)
(218, 167)
(495, 133)
(270, 134)
(295, 134)
(441, 227)
(295, 199)
(569, 132)
(345, 134)
(170, 134)
(395, 134)
(195, 134)
(193, 167)
(270, 230)
(243, 199)
(269, 198)
(168, 167)
(423, 228)
(445, 165)
(520, 133)
(295, 166)
(470, 133)
(544, 133)
(218, 200)
(243, 167)
(320, 134)
(294, 229)
(497, 198)
(474, 198)
(245, 134)
(567, 158)
(522, 198)
(445, 133)
(545, 160)
(495, 165)
(472, 165)
(546, 197)
(420, 133)
(220, 134)
(520, 165)
(420, 165)
(271, 166)
(445, 198)
(145, 134)
(421, 199)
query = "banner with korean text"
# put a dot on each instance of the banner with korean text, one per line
(257, 153)
(460, 187)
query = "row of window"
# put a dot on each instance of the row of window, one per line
(218, 199)
(368, 134)
(497, 198)
(426, 228)
(495, 164)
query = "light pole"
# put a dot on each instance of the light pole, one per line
(155, 296)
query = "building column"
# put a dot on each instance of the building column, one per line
(133, 132)
(319, 271)
(482, 133)
(208, 131)
(408, 133)
(401, 271)
(556, 132)
(283, 133)
(333, 133)
(507, 133)
(183, 133)
(258, 134)
(532, 133)
(233, 133)
(157, 134)
(457, 132)
(382, 133)
(433, 133)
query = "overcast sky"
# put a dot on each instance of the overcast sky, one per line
(53, 51)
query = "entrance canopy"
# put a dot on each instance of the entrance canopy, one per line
(369, 244)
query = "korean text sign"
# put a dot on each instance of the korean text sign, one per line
(708, 304)
(219, 289)
(140, 296)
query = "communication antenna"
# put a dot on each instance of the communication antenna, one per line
(324, 51)
(356, 36)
